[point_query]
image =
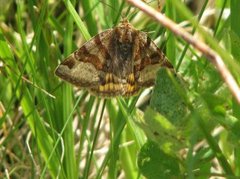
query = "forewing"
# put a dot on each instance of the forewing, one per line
(84, 67)
(150, 59)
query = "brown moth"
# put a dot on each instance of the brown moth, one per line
(116, 62)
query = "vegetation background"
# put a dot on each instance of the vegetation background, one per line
(188, 127)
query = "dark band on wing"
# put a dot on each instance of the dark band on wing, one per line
(85, 56)
(149, 61)
(147, 45)
(103, 50)
(167, 64)
(69, 62)
(155, 57)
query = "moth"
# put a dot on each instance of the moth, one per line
(116, 62)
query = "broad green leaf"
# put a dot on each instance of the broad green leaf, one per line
(168, 96)
(154, 163)
(160, 130)
(164, 122)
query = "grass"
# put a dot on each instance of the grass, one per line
(51, 129)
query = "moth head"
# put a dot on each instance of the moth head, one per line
(124, 23)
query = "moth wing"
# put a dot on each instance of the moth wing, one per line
(83, 67)
(151, 59)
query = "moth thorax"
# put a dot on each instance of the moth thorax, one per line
(125, 51)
